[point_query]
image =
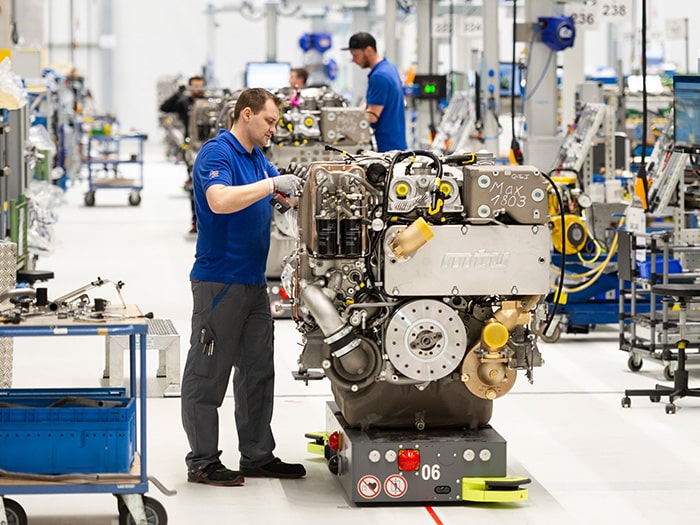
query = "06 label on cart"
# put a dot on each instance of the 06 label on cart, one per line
(369, 487)
(395, 486)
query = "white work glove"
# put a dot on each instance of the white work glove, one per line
(295, 169)
(288, 184)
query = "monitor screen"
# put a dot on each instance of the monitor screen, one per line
(686, 111)
(505, 75)
(268, 75)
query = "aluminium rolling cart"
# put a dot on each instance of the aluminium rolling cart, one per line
(129, 487)
(106, 156)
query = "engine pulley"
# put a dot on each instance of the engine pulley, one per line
(426, 340)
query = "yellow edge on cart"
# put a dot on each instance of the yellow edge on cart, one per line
(318, 445)
(476, 489)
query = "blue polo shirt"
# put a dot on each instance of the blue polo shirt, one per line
(384, 88)
(231, 247)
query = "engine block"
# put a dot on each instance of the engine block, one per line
(414, 281)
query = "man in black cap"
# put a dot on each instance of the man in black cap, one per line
(385, 104)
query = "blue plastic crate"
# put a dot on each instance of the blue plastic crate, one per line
(40, 439)
(674, 266)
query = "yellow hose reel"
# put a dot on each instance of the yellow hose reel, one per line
(575, 232)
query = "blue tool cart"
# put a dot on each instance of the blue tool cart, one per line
(81, 440)
(115, 161)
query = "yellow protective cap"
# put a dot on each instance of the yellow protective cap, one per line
(494, 335)
(424, 228)
(445, 189)
(402, 189)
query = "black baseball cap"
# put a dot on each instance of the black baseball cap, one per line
(361, 41)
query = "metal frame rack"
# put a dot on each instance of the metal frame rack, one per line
(654, 334)
(133, 506)
(105, 155)
(576, 153)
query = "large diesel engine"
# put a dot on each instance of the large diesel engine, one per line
(414, 281)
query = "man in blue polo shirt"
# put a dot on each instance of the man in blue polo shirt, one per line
(232, 325)
(385, 104)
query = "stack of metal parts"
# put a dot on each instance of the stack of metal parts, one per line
(8, 280)
(457, 126)
(172, 126)
(576, 152)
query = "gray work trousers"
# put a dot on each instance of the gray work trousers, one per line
(237, 318)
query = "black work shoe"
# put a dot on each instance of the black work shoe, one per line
(276, 469)
(216, 474)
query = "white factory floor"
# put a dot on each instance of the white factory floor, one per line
(590, 461)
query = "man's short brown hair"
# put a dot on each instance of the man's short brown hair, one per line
(255, 99)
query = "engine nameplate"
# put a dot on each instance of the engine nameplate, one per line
(518, 192)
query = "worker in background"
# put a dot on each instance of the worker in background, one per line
(181, 103)
(232, 327)
(385, 103)
(182, 100)
(297, 80)
(298, 77)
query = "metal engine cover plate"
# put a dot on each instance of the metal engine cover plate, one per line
(474, 260)
(426, 340)
(345, 125)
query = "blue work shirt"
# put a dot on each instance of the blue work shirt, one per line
(384, 88)
(231, 247)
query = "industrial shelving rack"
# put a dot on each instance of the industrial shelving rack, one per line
(654, 334)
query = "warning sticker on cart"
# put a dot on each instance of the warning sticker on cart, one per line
(369, 487)
(395, 486)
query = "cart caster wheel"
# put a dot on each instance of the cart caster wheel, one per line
(14, 512)
(553, 335)
(155, 513)
(90, 198)
(670, 408)
(134, 198)
(655, 399)
(333, 464)
(626, 402)
(634, 363)
(669, 373)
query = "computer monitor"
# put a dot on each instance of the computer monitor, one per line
(686, 113)
(505, 74)
(268, 75)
